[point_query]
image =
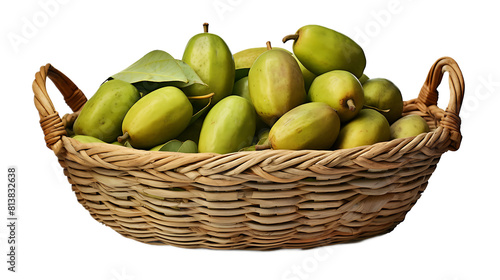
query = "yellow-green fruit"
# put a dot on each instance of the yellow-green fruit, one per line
(210, 57)
(369, 127)
(87, 139)
(409, 126)
(156, 118)
(341, 90)
(311, 126)
(241, 89)
(228, 127)
(384, 95)
(276, 85)
(308, 75)
(102, 115)
(322, 49)
(244, 59)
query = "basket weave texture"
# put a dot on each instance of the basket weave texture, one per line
(259, 200)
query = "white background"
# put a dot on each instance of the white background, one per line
(451, 233)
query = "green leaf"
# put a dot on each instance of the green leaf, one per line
(159, 69)
(200, 112)
(171, 146)
(146, 87)
(191, 75)
(155, 66)
(181, 147)
(249, 148)
(188, 147)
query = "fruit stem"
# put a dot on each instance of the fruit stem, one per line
(205, 27)
(268, 44)
(350, 104)
(201, 96)
(290, 37)
(123, 138)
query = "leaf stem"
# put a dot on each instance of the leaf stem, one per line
(201, 96)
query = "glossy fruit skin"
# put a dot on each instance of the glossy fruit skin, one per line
(244, 59)
(308, 75)
(322, 49)
(335, 88)
(369, 127)
(383, 94)
(276, 85)
(241, 89)
(157, 117)
(228, 126)
(210, 57)
(313, 126)
(103, 114)
(409, 126)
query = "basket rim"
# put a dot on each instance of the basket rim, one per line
(83, 145)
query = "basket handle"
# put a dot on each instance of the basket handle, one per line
(429, 96)
(50, 121)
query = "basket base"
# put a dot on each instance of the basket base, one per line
(348, 227)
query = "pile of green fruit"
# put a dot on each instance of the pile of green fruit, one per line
(214, 101)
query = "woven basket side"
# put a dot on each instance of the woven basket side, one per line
(329, 197)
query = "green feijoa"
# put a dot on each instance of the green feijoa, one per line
(228, 126)
(276, 84)
(341, 90)
(384, 96)
(156, 118)
(310, 126)
(103, 114)
(209, 56)
(409, 126)
(321, 49)
(87, 139)
(367, 128)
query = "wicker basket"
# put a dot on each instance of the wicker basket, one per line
(259, 200)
